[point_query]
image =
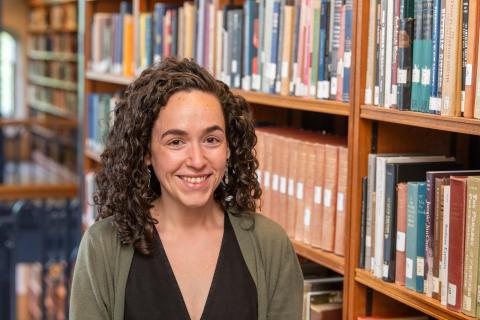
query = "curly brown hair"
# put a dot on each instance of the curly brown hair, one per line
(124, 187)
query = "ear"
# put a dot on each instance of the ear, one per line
(228, 153)
(147, 160)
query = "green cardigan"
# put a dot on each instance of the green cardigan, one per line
(102, 267)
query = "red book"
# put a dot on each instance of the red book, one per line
(401, 231)
(456, 242)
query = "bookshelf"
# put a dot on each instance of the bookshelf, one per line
(52, 78)
(368, 129)
(282, 109)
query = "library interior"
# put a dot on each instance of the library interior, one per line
(367, 123)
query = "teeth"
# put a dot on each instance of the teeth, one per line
(194, 179)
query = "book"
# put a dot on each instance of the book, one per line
(415, 237)
(340, 217)
(370, 80)
(363, 224)
(458, 189)
(395, 173)
(472, 58)
(472, 238)
(400, 257)
(445, 194)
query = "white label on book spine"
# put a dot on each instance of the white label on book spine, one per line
(234, 66)
(21, 279)
(317, 195)
(271, 70)
(376, 97)
(385, 270)
(416, 74)
(278, 86)
(368, 96)
(462, 104)
(436, 285)
(368, 241)
(420, 266)
(400, 241)
(409, 268)
(285, 69)
(256, 82)
(340, 201)
(275, 182)
(435, 104)
(322, 89)
(247, 83)
(333, 86)
(402, 76)
(468, 74)
(283, 185)
(393, 95)
(291, 187)
(313, 90)
(266, 179)
(299, 190)
(452, 294)
(425, 76)
(347, 56)
(327, 198)
(306, 217)
(446, 102)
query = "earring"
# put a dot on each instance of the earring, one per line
(149, 172)
(226, 174)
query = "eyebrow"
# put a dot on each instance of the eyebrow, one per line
(179, 132)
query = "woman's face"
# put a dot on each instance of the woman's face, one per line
(189, 148)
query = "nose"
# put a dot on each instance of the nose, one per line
(196, 158)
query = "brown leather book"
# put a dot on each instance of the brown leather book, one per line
(283, 181)
(339, 245)
(275, 179)
(317, 214)
(267, 173)
(329, 197)
(401, 231)
(292, 174)
(456, 241)
(438, 234)
(309, 192)
(300, 190)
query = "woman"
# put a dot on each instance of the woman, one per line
(177, 236)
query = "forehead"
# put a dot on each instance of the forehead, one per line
(191, 109)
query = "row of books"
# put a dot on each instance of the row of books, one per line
(99, 119)
(419, 226)
(306, 53)
(423, 56)
(303, 176)
(56, 17)
(60, 70)
(64, 100)
(60, 42)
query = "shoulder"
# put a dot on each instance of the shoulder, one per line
(101, 236)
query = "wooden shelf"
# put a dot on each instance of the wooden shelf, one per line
(296, 103)
(418, 119)
(409, 297)
(51, 109)
(52, 56)
(109, 78)
(50, 31)
(327, 259)
(50, 2)
(34, 191)
(52, 83)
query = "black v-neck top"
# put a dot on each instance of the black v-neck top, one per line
(152, 291)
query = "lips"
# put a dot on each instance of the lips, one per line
(195, 179)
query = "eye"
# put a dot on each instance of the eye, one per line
(175, 143)
(212, 140)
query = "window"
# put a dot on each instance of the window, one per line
(7, 74)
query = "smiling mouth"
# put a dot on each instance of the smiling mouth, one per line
(194, 180)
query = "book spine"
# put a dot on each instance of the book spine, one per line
(347, 55)
(415, 104)
(401, 233)
(404, 72)
(317, 214)
(382, 59)
(340, 218)
(472, 52)
(316, 7)
(340, 55)
(429, 233)
(336, 17)
(363, 225)
(370, 81)
(426, 68)
(437, 237)
(236, 62)
(465, 5)
(435, 102)
(445, 190)
(286, 65)
(329, 199)
(441, 52)
(456, 242)
(248, 44)
(370, 211)
(296, 39)
(280, 46)
(396, 27)
(378, 46)
(323, 82)
(389, 235)
(411, 248)
(472, 238)
(420, 261)
(388, 54)
(379, 217)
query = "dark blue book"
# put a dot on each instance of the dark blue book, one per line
(148, 39)
(323, 52)
(272, 60)
(348, 50)
(158, 15)
(248, 47)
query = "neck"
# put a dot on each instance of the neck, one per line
(171, 215)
